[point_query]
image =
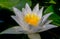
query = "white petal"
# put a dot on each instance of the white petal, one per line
(36, 8)
(41, 26)
(18, 12)
(40, 15)
(24, 11)
(16, 19)
(21, 23)
(13, 30)
(34, 36)
(20, 19)
(27, 8)
(45, 17)
(47, 27)
(36, 29)
(49, 21)
(40, 12)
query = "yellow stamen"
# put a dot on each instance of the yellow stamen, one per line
(32, 19)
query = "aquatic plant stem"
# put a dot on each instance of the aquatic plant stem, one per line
(34, 36)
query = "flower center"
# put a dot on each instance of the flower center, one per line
(32, 19)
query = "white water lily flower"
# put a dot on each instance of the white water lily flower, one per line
(30, 21)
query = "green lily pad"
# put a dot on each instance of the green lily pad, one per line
(49, 9)
(23, 3)
(56, 19)
(8, 3)
(52, 1)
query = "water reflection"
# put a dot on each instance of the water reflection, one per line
(1, 21)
